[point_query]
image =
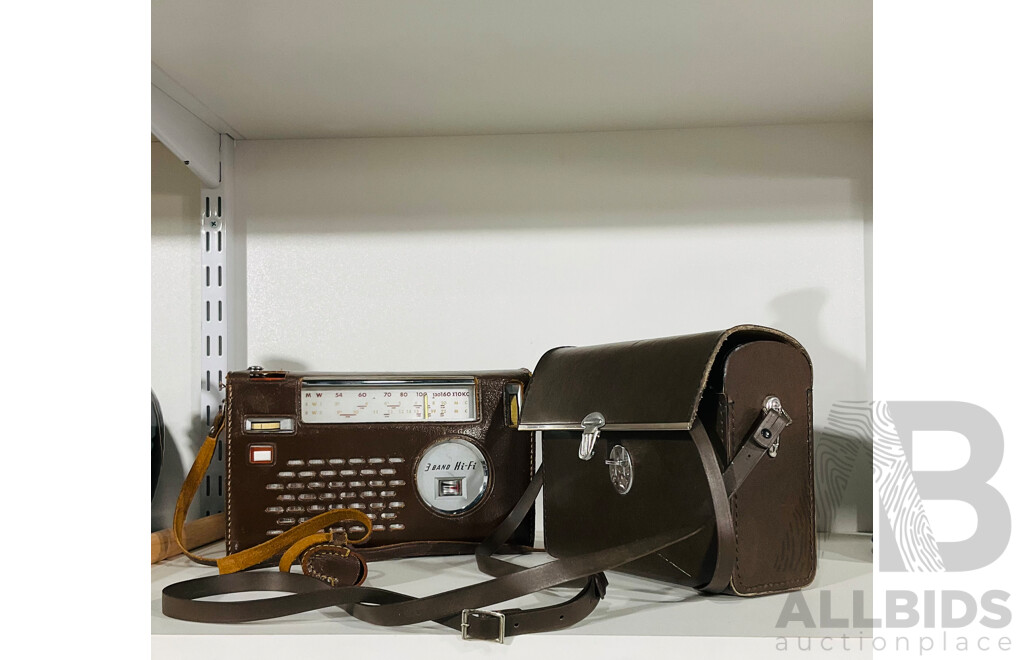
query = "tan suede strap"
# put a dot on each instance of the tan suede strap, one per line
(298, 538)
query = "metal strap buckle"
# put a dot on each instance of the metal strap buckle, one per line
(497, 615)
(218, 424)
(775, 420)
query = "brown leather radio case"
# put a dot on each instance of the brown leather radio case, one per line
(309, 468)
(318, 462)
(651, 396)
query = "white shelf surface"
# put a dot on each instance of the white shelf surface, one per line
(342, 68)
(634, 607)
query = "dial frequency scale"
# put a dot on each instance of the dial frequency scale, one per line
(339, 401)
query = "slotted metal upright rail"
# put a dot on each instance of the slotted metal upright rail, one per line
(210, 155)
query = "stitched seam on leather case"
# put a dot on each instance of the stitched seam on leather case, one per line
(308, 564)
(812, 540)
(547, 546)
(721, 428)
(228, 425)
(529, 474)
(801, 580)
(736, 499)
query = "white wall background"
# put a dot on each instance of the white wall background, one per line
(462, 253)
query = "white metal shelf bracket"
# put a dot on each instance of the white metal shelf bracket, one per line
(187, 136)
(211, 156)
(222, 311)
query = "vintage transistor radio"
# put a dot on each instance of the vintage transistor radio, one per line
(427, 457)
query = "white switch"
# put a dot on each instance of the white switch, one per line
(261, 454)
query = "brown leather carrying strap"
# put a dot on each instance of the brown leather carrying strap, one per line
(462, 608)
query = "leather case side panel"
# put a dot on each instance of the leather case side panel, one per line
(774, 508)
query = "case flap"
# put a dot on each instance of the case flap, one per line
(636, 385)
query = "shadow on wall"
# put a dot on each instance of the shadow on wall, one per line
(174, 193)
(842, 460)
(172, 475)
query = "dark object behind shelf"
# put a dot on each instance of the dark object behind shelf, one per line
(156, 442)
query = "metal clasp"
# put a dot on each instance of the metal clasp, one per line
(620, 469)
(591, 424)
(775, 420)
(497, 615)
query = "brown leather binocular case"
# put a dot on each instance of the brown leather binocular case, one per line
(710, 431)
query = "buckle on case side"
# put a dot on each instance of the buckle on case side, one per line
(775, 420)
(497, 615)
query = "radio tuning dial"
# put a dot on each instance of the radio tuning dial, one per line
(348, 401)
